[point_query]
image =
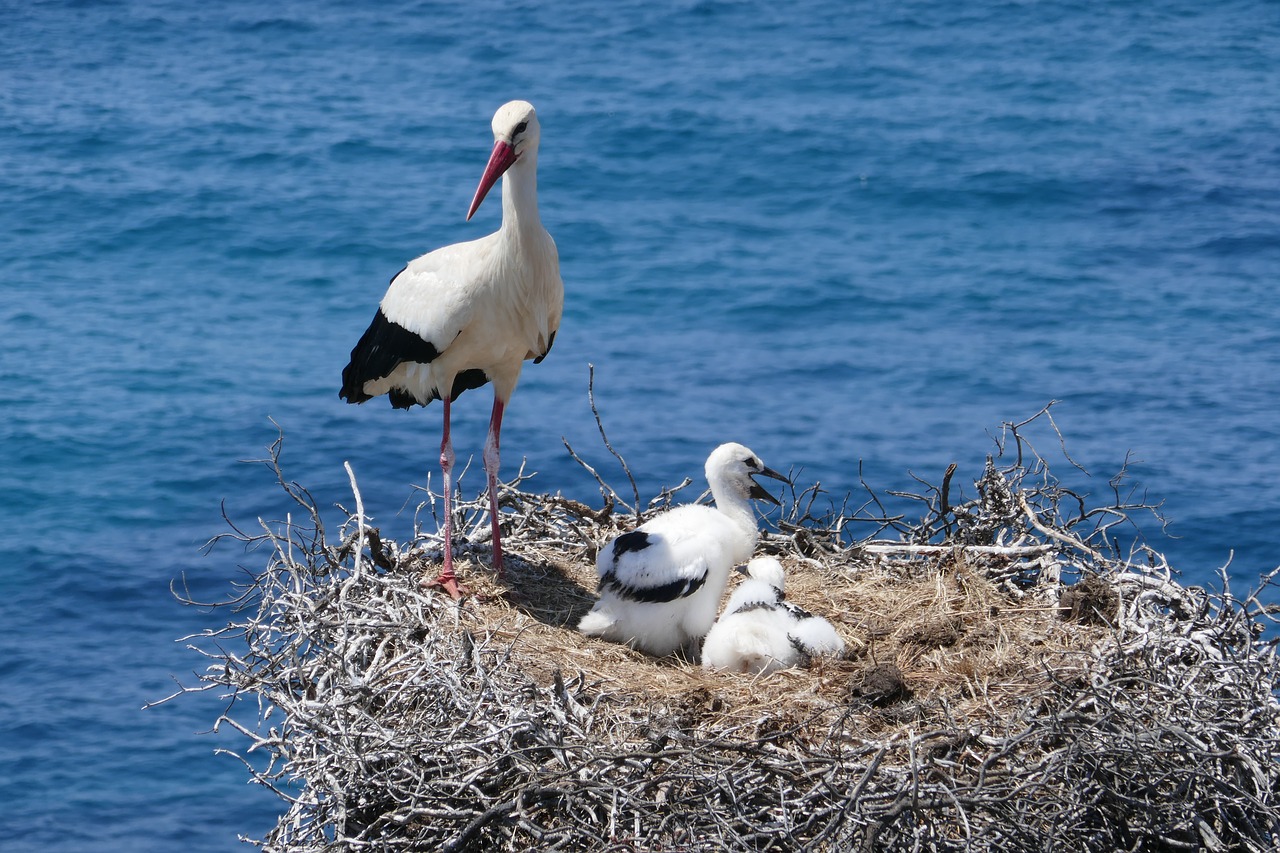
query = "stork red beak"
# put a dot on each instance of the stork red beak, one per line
(504, 154)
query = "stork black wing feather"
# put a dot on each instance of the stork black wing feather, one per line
(384, 346)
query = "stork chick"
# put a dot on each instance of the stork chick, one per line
(660, 584)
(761, 632)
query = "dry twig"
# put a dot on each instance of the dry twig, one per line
(970, 716)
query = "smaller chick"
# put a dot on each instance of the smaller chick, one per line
(759, 632)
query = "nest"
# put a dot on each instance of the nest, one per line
(1010, 684)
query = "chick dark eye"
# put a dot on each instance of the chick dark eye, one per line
(522, 127)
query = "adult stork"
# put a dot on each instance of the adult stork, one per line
(468, 314)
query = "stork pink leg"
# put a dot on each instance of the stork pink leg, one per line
(447, 580)
(491, 469)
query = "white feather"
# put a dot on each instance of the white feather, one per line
(470, 313)
(486, 304)
(660, 584)
(817, 636)
(760, 633)
(747, 643)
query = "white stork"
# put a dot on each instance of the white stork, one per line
(660, 584)
(760, 631)
(470, 313)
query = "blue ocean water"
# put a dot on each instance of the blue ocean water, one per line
(844, 234)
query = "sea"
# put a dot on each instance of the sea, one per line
(859, 237)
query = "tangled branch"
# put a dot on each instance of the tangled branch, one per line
(987, 702)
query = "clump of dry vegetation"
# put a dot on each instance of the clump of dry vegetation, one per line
(1013, 683)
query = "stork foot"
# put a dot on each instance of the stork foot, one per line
(449, 583)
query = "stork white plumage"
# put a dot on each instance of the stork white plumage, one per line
(470, 313)
(760, 631)
(763, 588)
(661, 583)
(747, 636)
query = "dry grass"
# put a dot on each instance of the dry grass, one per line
(958, 643)
(977, 708)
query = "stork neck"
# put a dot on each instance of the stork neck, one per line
(736, 506)
(520, 194)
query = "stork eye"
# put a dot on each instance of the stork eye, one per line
(522, 127)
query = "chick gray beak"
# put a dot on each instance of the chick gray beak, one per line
(757, 491)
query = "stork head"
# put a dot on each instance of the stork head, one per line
(735, 466)
(515, 132)
(766, 569)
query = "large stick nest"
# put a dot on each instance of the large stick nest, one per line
(1012, 683)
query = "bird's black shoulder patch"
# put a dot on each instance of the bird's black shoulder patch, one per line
(384, 345)
(765, 605)
(806, 653)
(681, 588)
(636, 540)
(797, 612)
(756, 605)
